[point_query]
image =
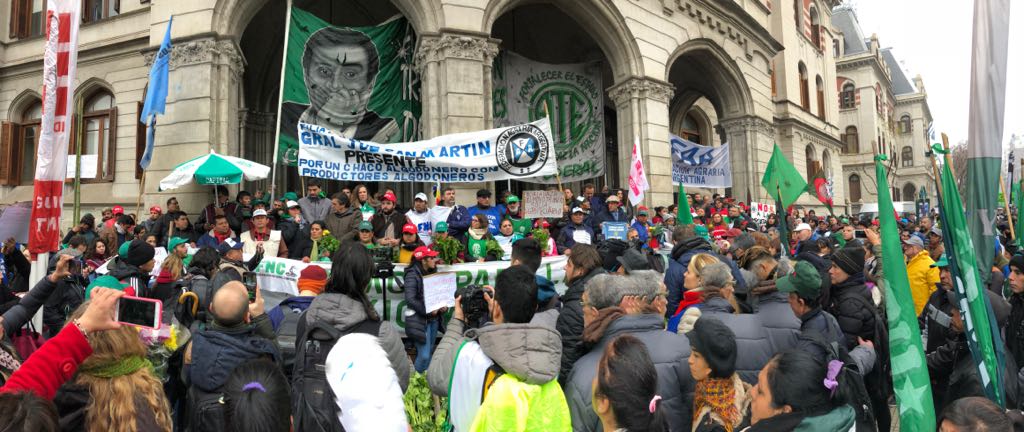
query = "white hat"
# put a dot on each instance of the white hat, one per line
(259, 212)
(291, 204)
(421, 196)
(801, 227)
(577, 210)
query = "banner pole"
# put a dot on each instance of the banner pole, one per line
(1006, 206)
(280, 98)
(78, 162)
(558, 172)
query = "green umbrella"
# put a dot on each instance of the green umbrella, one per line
(214, 169)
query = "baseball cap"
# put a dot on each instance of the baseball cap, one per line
(942, 262)
(289, 196)
(259, 212)
(642, 212)
(914, 241)
(441, 227)
(291, 204)
(483, 193)
(389, 197)
(118, 210)
(805, 281)
(802, 226)
(105, 281)
(936, 231)
(228, 245)
(155, 209)
(409, 229)
(577, 210)
(613, 198)
(365, 226)
(702, 232)
(421, 196)
(174, 242)
(423, 252)
(511, 199)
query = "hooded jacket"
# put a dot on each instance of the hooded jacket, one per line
(526, 395)
(570, 322)
(923, 278)
(215, 353)
(680, 261)
(549, 305)
(344, 226)
(343, 312)
(669, 352)
(1015, 328)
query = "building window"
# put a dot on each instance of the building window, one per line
(691, 129)
(95, 10)
(850, 145)
(853, 188)
(826, 163)
(99, 138)
(27, 18)
(18, 147)
(816, 29)
(835, 48)
(819, 85)
(805, 97)
(798, 15)
(878, 98)
(907, 157)
(896, 197)
(847, 99)
(905, 125)
(909, 192)
(774, 91)
(812, 165)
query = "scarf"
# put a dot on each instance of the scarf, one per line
(221, 237)
(314, 255)
(477, 233)
(125, 366)
(717, 394)
(119, 229)
(593, 332)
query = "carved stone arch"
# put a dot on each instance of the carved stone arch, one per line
(231, 17)
(20, 103)
(711, 72)
(92, 85)
(601, 20)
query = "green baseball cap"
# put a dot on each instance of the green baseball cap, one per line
(804, 281)
(105, 282)
(174, 242)
(441, 227)
(123, 250)
(511, 199)
(365, 226)
(942, 262)
(702, 231)
(289, 196)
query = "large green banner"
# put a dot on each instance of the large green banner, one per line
(357, 81)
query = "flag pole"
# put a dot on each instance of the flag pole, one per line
(1006, 206)
(78, 162)
(280, 97)
(558, 172)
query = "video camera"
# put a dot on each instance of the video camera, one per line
(474, 305)
(383, 262)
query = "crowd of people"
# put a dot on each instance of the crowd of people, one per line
(728, 324)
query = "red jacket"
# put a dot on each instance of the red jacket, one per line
(53, 364)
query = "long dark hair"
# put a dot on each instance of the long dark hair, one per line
(90, 252)
(795, 378)
(627, 378)
(351, 272)
(257, 398)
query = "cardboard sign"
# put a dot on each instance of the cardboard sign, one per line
(439, 291)
(543, 204)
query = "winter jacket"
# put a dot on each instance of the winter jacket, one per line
(273, 243)
(708, 421)
(570, 323)
(777, 317)
(20, 314)
(840, 419)
(458, 221)
(416, 324)
(299, 303)
(52, 365)
(526, 397)
(388, 225)
(822, 265)
(133, 276)
(752, 337)
(18, 270)
(619, 215)
(216, 352)
(922, 277)
(345, 225)
(73, 400)
(680, 260)
(112, 239)
(208, 239)
(955, 374)
(208, 216)
(1014, 328)
(342, 312)
(820, 326)
(314, 209)
(69, 295)
(566, 238)
(939, 306)
(854, 317)
(669, 352)
(89, 235)
(296, 238)
(493, 214)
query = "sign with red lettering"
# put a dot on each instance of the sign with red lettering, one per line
(60, 58)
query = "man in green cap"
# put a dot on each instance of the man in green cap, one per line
(938, 310)
(819, 329)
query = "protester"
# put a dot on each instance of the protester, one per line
(86, 228)
(936, 313)
(976, 414)
(257, 398)
(231, 267)
(150, 224)
(21, 312)
(920, 273)
(421, 325)
(262, 238)
(720, 398)
(576, 231)
(625, 391)
(688, 311)
(1015, 326)
(318, 248)
(477, 238)
(97, 254)
(119, 232)
(294, 231)
(582, 266)
(526, 396)
(181, 227)
(221, 207)
(408, 244)
(765, 300)
(201, 271)
(795, 391)
(314, 207)
(134, 267)
(110, 216)
(420, 217)
(366, 237)
(364, 202)
(458, 219)
(343, 220)
(687, 244)
(506, 237)
(388, 222)
(610, 213)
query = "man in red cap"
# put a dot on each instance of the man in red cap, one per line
(115, 213)
(409, 244)
(420, 324)
(154, 214)
(388, 222)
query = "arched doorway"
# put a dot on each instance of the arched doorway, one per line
(909, 192)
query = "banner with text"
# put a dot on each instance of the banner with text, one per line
(700, 166)
(515, 152)
(759, 212)
(282, 275)
(574, 99)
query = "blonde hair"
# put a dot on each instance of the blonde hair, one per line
(174, 265)
(112, 400)
(722, 277)
(699, 261)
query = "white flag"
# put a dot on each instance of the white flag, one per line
(637, 176)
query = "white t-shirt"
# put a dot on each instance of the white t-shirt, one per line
(424, 225)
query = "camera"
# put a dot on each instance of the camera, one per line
(383, 262)
(474, 305)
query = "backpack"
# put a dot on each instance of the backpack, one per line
(205, 412)
(853, 391)
(315, 407)
(287, 333)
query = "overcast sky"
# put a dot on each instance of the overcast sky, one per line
(933, 38)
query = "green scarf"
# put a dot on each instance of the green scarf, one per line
(314, 256)
(126, 366)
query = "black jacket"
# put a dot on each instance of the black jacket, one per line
(1015, 328)
(21, 313)
(936, 332)
(854, 318)
(381, 222)
(955, 375)
(416, 324)
(570, 323)
(297, 239)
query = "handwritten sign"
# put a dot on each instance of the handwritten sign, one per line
(760, 212)
(439, 291)
(543, 204)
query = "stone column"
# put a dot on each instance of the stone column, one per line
(751, 139)
(455, 69)
(641, 104)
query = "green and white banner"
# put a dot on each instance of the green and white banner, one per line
(357, 81)
(282, 276)
(573, 95)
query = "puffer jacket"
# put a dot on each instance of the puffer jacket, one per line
(854, 318)
(669, 352)
(416, 324)
(526, 395)
(922, 277)
(752, 338)
(680, 261)
(216, 352)
(132, 275)
(772, 308)
(570, 323)
(343, 312)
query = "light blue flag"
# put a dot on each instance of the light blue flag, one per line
(156, 96)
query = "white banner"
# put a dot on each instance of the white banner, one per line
(700, 166)
(515, 152)
(571, 95)
(282, 275)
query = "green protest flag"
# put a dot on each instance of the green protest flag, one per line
(1019, 203)
(683, 215)
(379, 102)
(909, 373)
(781, 179)
(979, 321)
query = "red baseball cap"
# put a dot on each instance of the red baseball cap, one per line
(409, 229)
(118, 210)
(389, 197)
(423, 252)
(156, 209)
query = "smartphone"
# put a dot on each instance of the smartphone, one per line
(859, 234)
(249, 280)
(75, 266)
(139, 312)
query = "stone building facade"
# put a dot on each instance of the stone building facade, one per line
(753, 73)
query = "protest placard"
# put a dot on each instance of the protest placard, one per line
(14, 222)
(543, 204)
(438, 291)
(614, 230)
(759, 212)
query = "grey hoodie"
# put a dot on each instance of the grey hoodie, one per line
(343, 312)
(529, 352)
